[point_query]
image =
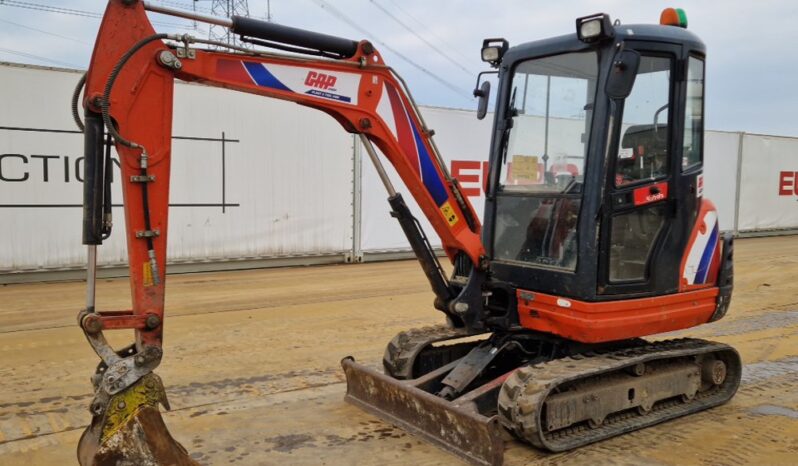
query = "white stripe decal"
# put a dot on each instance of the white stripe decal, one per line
(346, 84)
(385, 111)
(698, 247)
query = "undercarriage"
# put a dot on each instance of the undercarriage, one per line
(459, 391)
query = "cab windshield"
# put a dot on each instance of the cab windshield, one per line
(543, 164)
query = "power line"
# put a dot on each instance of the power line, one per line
(430, 30)
(52, 9)
(227, 9)
(38, 57)
(430, 44)
(185, 6)
(338, 14)
(192, 7)
(45, 32)
(73, 12)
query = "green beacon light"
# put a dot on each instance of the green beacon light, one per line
(673, 17)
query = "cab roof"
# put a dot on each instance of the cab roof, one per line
(642, 32)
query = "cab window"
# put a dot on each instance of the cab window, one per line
(643, 149)
(540, 193)
(693, 143)
(643, 155)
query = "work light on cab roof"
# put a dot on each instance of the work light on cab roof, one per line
(594, 27)
(493, 50)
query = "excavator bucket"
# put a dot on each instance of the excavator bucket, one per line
(456, 426)
(131, 431)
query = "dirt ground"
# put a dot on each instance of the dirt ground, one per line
(252, 369)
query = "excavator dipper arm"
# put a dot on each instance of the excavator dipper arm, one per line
(129, 93)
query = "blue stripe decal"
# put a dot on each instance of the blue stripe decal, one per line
(706, 258)
(429, 175)
(263, 78)
(327, 95)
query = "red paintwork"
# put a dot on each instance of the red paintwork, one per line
(141, 104)
(700, 226)
(114, 320)
(123, 320)
(643, 196)
(614, 320)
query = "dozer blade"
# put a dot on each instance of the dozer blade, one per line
(131, 431)
(458, 429)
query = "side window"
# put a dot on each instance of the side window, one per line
(643, 155)
(643, 148)
(693, 143)
(633, 236)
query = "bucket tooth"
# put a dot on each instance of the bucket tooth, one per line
(458, 429)
(131, 431)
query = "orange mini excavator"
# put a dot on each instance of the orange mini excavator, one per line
(596, 231)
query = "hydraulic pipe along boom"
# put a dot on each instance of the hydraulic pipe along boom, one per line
(249, 27)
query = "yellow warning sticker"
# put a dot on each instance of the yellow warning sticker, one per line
(448, 212)
(525, 168)
(147, 274)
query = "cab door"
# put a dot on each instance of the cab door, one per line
(639, 201)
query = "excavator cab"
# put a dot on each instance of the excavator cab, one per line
(596, 233)
(591, 194)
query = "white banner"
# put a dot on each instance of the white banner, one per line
(464, 143)
(769, 183)
(720, 174)
(256, 177)
(282, 186)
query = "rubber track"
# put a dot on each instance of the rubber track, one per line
(523, 395)
(401, 352)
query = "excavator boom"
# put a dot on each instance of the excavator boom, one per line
(128, 94)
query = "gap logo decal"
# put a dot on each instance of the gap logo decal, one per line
(392, 110)
(337, 86)
(702, 251)
(320, 80)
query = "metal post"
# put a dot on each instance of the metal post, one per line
(739, 184)
(357, 202)
(224, 177)
(546, 134)
(526, 92)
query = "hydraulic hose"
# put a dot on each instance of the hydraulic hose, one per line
(76, 101)
(107, 223)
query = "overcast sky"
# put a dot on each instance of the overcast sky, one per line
(752, 57)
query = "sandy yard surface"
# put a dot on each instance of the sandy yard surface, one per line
(251, 368)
